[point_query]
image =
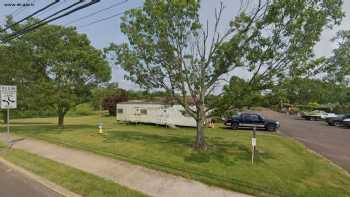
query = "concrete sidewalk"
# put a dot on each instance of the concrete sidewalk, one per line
(147, 181)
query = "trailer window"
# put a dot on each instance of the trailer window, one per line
(120, 111)
(143, 111)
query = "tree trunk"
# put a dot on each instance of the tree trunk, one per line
(200, 137)
(61, 120)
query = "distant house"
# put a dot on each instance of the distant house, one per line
(154, 112)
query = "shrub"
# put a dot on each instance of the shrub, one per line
(84, 109)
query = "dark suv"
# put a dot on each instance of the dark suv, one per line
(251, 120)
(337, 121)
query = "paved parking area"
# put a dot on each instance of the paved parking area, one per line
(329, 141)
(13, 184)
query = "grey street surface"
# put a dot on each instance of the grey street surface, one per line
(329, 141)
(13, 184)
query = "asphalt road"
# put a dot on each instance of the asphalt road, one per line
(13, 184)
(329, 141)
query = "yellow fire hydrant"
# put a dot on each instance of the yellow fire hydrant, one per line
(100, 129)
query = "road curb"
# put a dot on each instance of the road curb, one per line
(48, 184)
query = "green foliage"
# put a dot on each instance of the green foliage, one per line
(83, 109)
(338, 67)
(313, 105)
(102, 92)
(238, 94)
(66, 67)
(303, 91)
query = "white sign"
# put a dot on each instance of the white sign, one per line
(8, 96)
(253, 141)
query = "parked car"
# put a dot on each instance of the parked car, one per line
(227, 121)
(346, 122)
(328, 115)
(314, 115)
(251, 120)
(338, 120)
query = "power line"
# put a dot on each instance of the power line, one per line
(42, 13)
(27, 30)
(95, 13)
(31, 15)
(43, 20)
(103, 19)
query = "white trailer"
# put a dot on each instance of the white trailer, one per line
(154, 112)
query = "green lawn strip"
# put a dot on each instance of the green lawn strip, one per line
(77, 181)
(283, 167)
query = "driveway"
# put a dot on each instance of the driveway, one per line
(329, 141)
(13, 184)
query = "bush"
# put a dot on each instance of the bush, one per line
(84, 109)
(313, 105)
(110, 102)
(18, 114)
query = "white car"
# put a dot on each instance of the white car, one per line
(328, 115)
(346, 122)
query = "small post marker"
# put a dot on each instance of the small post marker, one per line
(253, 144)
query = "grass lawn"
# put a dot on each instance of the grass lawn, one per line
(82, 183)
(283, 167)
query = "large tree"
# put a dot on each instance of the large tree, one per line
(69, 64)
(337, 68)
(338, 65)
(17, 68)
(170, 49)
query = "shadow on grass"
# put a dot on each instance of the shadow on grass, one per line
(132, 136)
(262, 130)
(31, 123)
(224, 152)
(227, 154)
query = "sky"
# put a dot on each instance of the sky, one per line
(103, 33)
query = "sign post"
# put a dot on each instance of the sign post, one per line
(8, 100)
(8, 127)
(253, 144)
